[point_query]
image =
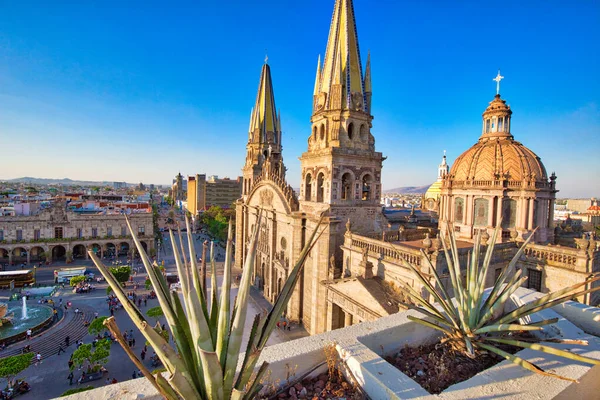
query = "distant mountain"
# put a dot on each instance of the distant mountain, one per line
(408, 190)
(64, 181)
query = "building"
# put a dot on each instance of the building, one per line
(119, 185)
(179, 188)
(431, 198)
(341, 177)
(61, 233)
(581, 205)
(203, 193)
(350, 275)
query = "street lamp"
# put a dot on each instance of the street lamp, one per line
(34, 274)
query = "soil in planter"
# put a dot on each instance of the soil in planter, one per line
(320, 388)
(436, 367)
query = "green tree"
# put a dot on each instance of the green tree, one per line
(76, 280)
(93, 357)
(148, 284)
(97, 326)
(121, 273)
(11, 366)
(155, 312)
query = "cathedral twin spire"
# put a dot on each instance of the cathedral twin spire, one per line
(265, 122)
(339, 83)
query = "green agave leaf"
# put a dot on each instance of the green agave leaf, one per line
(255, 387)
(224, 310)
(213, 375)
(431, 325)
(451, 310)
(167, 390)
(419, 300)
(506, 328)
(544, 322)
(547, 349)
(521, 362)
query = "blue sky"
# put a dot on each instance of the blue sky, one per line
(137, 91)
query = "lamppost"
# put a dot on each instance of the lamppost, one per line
(34, 275)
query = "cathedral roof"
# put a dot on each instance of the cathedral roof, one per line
(342, 65)
(497, 156)
(264, 116)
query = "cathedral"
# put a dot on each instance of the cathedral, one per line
(350, 273)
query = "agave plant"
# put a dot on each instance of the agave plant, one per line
(475, 320)
(206, 329)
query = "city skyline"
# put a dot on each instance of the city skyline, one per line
(119, 94)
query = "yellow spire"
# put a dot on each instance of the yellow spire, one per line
(264, 115)
(342, 48)
(318, 78)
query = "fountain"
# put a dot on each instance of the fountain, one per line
(24, 309)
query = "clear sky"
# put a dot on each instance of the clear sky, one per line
(139, 90)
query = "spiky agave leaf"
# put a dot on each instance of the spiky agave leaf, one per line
(479, 324)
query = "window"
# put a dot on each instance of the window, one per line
(123, 231)
(94, 232)
(500, 124)
(36, 234)
(320, 187)
(487, 125)
(19, 235)
(350, 131)
(79, 233)
(58, 232)
(459, 205)
(1, 234)
(346, 186)
(534, 280)
(509, 213)
(141, 230)
(366, 187)
(481, 212)
(109, 231)
(497, 273)
(307, 187)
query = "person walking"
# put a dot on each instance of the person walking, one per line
(70, 378)
(134, 375)
(132, 342)
(143, 355)
(28, 334)
(60, 348)
(95, 314)
(145, 301)
(67, 341)
(38, 358)
(70, 363)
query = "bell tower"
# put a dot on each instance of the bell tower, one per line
(341, 171)
(264, 134)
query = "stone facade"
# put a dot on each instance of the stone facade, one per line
(59, 234)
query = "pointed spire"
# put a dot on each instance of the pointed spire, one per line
(368, 74)
(264, 114)
(342, 63)
(318, 78)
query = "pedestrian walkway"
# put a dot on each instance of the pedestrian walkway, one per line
(47, 342)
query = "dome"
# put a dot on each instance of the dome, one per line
(493, 159)
(497, 156)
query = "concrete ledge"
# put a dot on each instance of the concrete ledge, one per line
(362, 347)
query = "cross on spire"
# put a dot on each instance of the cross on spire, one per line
(497, 79)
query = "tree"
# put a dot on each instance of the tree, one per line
(147, 284)
(121, 273)
(97, 326)
(76, 280)
(155, 312)
(11, 366)
(94, 357)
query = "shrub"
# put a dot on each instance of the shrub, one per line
(77, 390)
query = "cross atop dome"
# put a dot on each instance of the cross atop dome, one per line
(497, 79)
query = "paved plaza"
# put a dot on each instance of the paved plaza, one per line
(49, 379)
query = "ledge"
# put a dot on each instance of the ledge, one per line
(363, 345)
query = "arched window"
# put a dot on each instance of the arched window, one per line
(500, 124)
(487, 125)
(363, 133)
(481, 212)
(346, 186)
(350, 130)
(307, 187)
(320, 187)
(323, 132)
(314, 132)
(366, 187)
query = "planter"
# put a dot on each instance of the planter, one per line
(93, 376)
(382, 380)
